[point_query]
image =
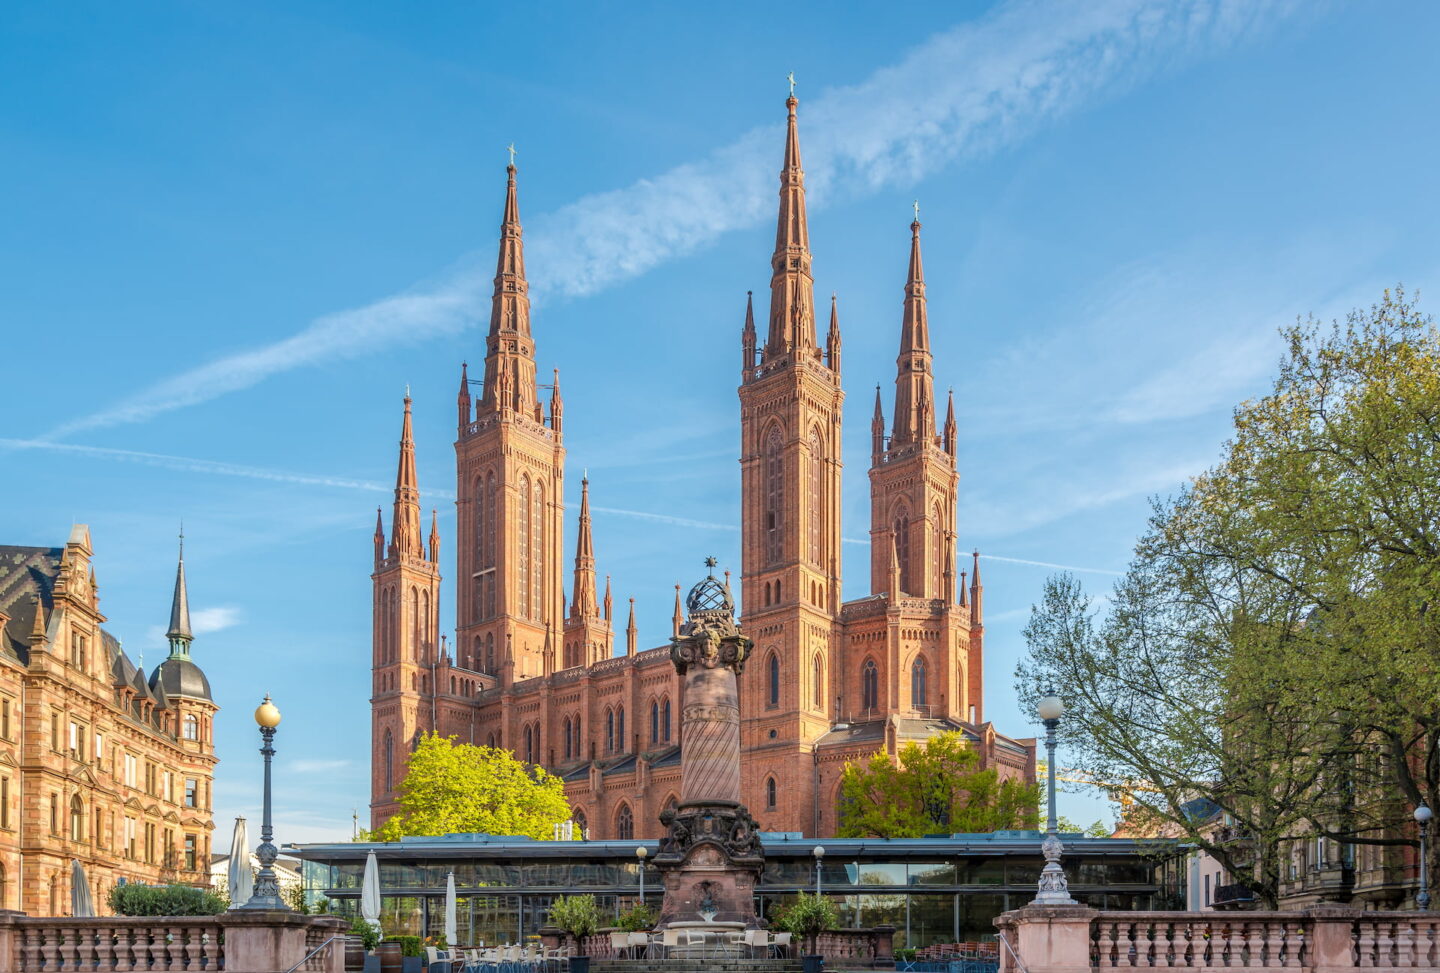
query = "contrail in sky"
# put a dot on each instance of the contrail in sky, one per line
(964, 92)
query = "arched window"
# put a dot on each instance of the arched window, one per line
(4, 889)
(818, 677)
(415, 623)
(389, 762)
(482, 526)
(523, 579)
(940, 557)
(492, 501)
(624, 823)
(490, 740)
(529, 745)
(77, 819)
(192, 727)
(774, 666)
(580, 821)
(490, 653)
(917, 681)
(770, 792)
(537, 560)
(578, 751)
(902, 549)
(870, 686)
(774, 474)
(654, 722)
(609, 731)
(665, 723)
(569, 740)
(817, 499)
(620, 728)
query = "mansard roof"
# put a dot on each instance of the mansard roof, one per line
(24, 573)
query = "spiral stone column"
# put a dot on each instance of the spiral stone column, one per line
(710, 857)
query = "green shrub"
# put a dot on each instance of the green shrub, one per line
(808, 916)
(638, 918)
(164, 900)
(578, 915)
(368, 932)
(409, 945)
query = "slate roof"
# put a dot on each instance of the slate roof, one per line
(24, 573)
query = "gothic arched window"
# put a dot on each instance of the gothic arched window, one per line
(654, 722)
(577, 749)
(492, 511)
(482, 525)
(389, 762)
(939, 557)
(609, 731)
(569, 740)
(537, 560)
(817, 691)
(490, 653)
(774, 667)
(917, 681)
(902, 549)
(870, 686)
(770, 792)
(774, 473)
(579, 818)
(523, 580)
(77, 819)
(665, 725)
(529, 745)
(620, 728)
(817, 499)
(624, 823)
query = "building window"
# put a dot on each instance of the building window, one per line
(77, 819)
(817, 494)
(1207, 890)
(624, 823)
(131, 766)
(5, 802)
(537, 561)
(523, 581)
(666, 723)
(54, 814)
(917, 681)
(389, 762)
(774, 668)
(654, 722)
(770, 792)
(529, 745)
(817, 690)
(192, 792)
(5, 717)
(578, 752)
(579, 818)
(569, 741)
(190, 853)
(774, 473)
(493, 504)
(902, 550)
(869, 686)
(130, 838)
(54, 731)
(620, 728)
(609, 731)
(192, 728)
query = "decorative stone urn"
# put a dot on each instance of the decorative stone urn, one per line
(710, 857)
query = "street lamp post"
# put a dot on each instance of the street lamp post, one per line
(1054, 889)
(267, 890)
(819, 854)
(1423, 814)
(641, 852)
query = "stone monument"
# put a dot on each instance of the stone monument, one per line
(710, 857)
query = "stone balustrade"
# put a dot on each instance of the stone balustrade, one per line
(1324, 939)
(235, 942)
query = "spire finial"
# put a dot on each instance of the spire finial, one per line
(182, 540)
(917, 211)
(791, 78)
(179, 632)
(511, 149)
(710, 563)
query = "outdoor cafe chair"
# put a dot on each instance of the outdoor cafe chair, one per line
(780, 945)
(620, 943)
(669, 939)
(639, 944)
(756, 939)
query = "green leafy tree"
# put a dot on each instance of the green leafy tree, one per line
(935, 787)
(807, 917)
(457, 788)
(577, 915)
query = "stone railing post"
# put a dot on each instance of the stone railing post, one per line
(9, 940)
(882, 946)
(1332, 941)
(1049, 938)
(261, 941)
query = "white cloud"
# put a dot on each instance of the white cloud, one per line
(965, 91)
(207, 620)
(318, 766)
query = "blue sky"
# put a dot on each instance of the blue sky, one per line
(233, 234)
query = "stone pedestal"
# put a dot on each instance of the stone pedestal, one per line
(710, 857)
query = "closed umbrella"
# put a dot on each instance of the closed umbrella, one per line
(450, 934)
(80, 902)
(240, 879)
(370, 891)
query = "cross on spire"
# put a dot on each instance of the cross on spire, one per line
(917, 211)
(791, 78)
(511, 149)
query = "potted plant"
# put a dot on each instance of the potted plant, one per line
(578, 916)
(807, 917)
(364, 937)
(638, 918)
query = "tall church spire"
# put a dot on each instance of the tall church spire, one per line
(914, 383)
(631, 632)
(510, 352)
(582, 600)
(877, 431)
(405, 523)
(792, 297)
(832, 338)
(179, 634)
(747, 339)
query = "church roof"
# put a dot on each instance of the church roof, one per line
(180, 677)
(25, 572)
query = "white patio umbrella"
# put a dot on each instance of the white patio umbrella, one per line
(80, 902)
(240, 879)
(370, 891)
(451, 935)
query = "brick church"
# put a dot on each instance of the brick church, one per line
(829, 681)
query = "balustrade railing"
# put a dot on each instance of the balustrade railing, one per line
(1136, 940)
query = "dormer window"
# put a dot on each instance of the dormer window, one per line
(192, 727)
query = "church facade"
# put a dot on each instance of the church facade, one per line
(829, 681)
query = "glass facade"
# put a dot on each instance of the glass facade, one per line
(930, 890)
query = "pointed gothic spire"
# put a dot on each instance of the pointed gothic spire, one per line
(37, 630)
(179, 633)
(792, 297)
(964, 602)
(977, 592)
(509, 354)
(895, 591)
(877, 431)
(609, 601)
(631, 632)
(914, 384)
(379, 537)
(747, 339)
(832, 338)
(405, 522)
(557, 404)
(434, 544)
(462, 401)
(677, 619)
(582, 602)
(950, 426)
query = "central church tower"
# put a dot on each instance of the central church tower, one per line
(790, 404)
(510, 465)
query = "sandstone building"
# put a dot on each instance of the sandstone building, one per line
(829, 681)
(97, 763)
